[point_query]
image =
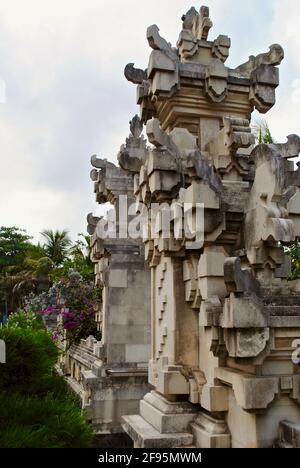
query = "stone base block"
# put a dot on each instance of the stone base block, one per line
(289, 435)
(210, 432)
(144, 435)
(165, 423)
(106, 399)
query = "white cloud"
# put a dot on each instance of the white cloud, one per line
(284, 118)
(66, 98)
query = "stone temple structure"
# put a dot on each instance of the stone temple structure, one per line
(200, 325)
(111, 376)
(224, 318)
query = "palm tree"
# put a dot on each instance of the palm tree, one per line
(56, 245)
(81, 249)
(32, 277)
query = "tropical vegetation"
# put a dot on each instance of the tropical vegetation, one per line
(37, 409)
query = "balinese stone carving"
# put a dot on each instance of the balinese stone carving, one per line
(223, 315)
(110, 376)
(135, 75)
(216, 77)
(273, 57)
(221, 47)
(92, 223)
(133, 154)
(236, 133)
(195, 27)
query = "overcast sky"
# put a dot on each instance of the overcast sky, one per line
(63, 96)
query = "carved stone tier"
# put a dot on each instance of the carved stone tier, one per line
(224, 317)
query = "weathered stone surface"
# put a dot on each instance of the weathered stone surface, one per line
(273, 57)
(210, 432)
(223, 315)
(145, 435)
(289, 435)
(134, 153)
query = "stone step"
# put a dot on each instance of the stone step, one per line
(203, 439)
(284, 310)
(280, 300)
(165, 423)
(146, 436)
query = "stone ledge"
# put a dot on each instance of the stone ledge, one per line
(145, 436)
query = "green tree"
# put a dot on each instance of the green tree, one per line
(79, 259)
(262, 132)
(56, 245)
(14, 245)
(294, 252)
(24, 267)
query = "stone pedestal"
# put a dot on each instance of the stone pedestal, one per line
(161, 423)
(210, 431)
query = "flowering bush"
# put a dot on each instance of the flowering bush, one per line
(75, 300)
(27, 320)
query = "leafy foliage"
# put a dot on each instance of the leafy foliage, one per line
(26, 320)
(23, 268)
(51, 422)
(56, 245)
(36, 408)
(294, 252)
(27, 268)
(14, 243)
(262, 132)
(78, 260)
(30, 357)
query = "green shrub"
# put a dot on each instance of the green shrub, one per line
(25, 320)
(30, 357)
(37, 408)
(30, 422)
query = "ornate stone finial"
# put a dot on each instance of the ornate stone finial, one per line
(92, 223)
(136, 126)
(135, 75)
(188, 18)
(204, 23)
(290, 149)
(98, 163)
(273, 57)
(157, 42)
(195, 27)
(132, 155)
(198, 23)
(94, 175)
